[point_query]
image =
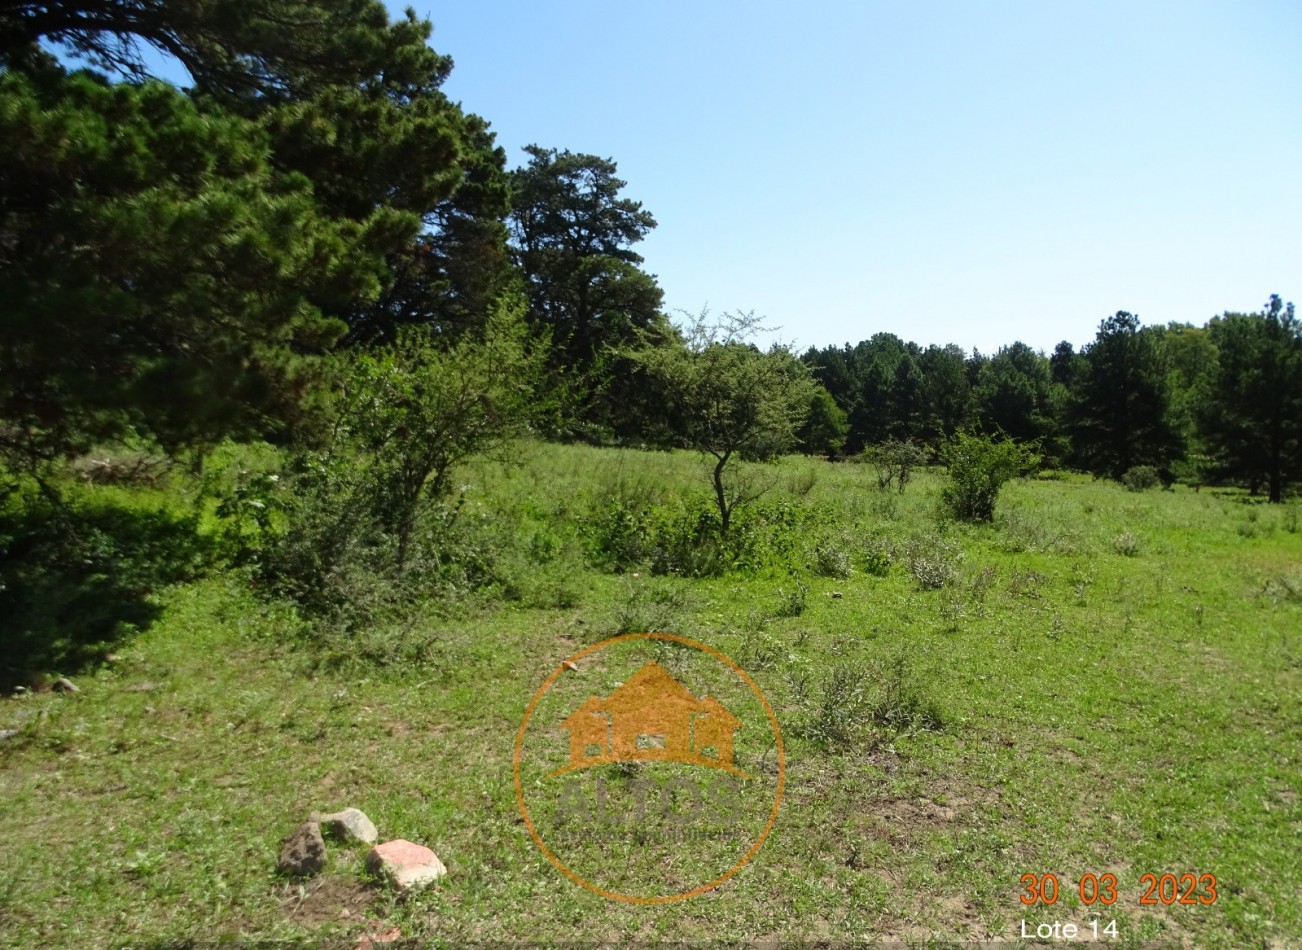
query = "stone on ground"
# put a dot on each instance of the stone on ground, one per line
(405, 865)
(351, 824)
(303, 853)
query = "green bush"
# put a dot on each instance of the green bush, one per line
(77, 578)
(1140, 478)
(792, 603)
(894, 461)
(979, 466)
(684, 537)
(933, 562)
(1126, 544)
(831, 558)
(863, 702)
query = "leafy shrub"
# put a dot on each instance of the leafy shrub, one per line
(249, 510)
(831, 559)
(933, 562)
(979, 467)
(75, 579)
(894, 461)
(684, 538)
(1140, 478)
(863, 702)
(877, 557)
(1126, 544)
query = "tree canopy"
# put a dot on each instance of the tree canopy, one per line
(1252, 413)
(216, 239)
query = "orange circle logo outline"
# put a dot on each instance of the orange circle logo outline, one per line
(519, 784)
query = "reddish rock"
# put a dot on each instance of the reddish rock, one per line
(405, 865)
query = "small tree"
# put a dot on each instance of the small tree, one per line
(412, 411)
(825, 427)
(979, 466)
(729, 399)
(895, 461)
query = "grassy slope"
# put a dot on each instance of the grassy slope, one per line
(1103, 712)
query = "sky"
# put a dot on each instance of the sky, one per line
(951, 172)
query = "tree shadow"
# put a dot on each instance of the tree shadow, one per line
(76, 581)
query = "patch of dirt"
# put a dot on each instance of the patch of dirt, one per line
(947, 802)
(324, 900)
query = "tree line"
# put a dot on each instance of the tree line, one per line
(1210, 404)
(312, 218)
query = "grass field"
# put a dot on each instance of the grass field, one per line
(1103, 681)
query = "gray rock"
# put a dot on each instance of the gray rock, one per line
(65, 685)
(7, 734)
(351, 824)
(303, 853)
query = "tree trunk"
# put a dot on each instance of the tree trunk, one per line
(720, 497)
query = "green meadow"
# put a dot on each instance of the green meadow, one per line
(1102, 681)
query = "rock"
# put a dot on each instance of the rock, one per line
(369, 942)
(351, 824)
(405, 865)
(112, 657)
(64, 685)
(7, 734)
(303, 853)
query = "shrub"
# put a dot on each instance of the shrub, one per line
(860, 701)
(1140, 478)
(75, 579)
(1126, 544)
(878, 557)
(656, 607)
(979, 467)
(895, 461)
(933, 562)
(831, 559)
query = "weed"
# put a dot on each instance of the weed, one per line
(877, 557)
(760, 649)
(802, 483)
(1026, 584)
(1126, 544)
(792, 603)
(651, 607)
(831, 559)
(860, 701)
(933, 562)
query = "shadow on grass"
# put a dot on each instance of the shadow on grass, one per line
(75, 582)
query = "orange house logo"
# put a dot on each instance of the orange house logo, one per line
(651, 718)
(649, 726)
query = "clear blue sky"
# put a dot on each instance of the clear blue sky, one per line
(966, 172)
